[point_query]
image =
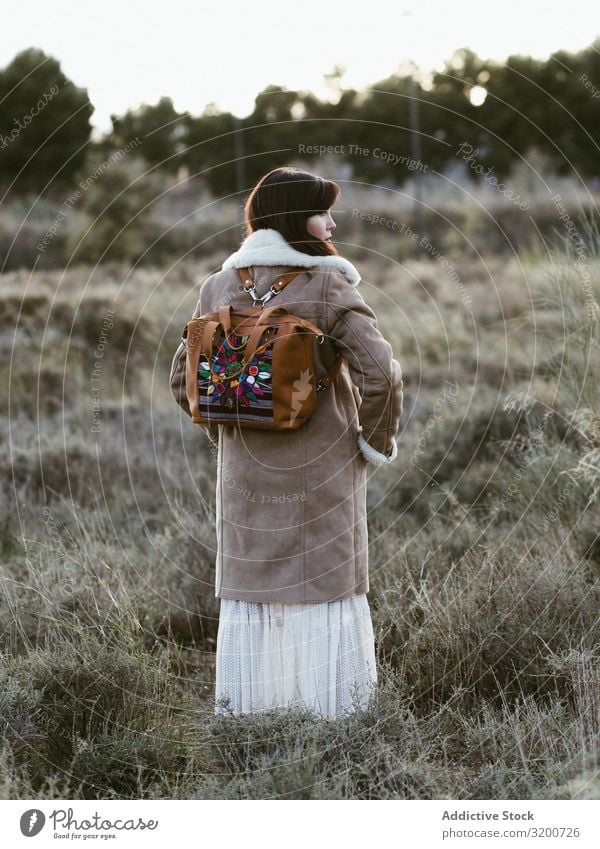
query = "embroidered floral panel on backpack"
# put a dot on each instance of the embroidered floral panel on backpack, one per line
(228, 389)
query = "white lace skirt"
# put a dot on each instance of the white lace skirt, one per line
(316, 657)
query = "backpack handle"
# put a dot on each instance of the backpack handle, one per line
(256, 335)
(225, 318)
(271, 311)
(252, 344)
(259, 328)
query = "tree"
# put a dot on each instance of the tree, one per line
(161, 128)
(119, 201)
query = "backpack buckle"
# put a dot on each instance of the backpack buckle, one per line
(268, 295)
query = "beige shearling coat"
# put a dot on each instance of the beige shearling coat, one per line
(291, 514)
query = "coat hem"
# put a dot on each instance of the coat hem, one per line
(246, 596)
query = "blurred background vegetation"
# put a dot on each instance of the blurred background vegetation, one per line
(156, 185)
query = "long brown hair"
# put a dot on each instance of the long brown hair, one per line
(283, 200)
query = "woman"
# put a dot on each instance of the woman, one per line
(292, 574)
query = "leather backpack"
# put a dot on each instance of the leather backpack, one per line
(253, 368)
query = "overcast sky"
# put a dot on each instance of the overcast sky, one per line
(226, 51)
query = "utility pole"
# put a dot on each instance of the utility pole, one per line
(415, 138)
(415, 144)
(240, 162)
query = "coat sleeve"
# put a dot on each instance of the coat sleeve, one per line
(353, 329)
(177, 379)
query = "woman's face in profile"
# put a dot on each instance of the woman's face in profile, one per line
(321, 225)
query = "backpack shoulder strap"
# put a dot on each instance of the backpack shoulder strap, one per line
(327, 379)
(276, 287)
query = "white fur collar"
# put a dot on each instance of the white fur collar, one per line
(268, 247)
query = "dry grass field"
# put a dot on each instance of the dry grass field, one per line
(484, 545)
